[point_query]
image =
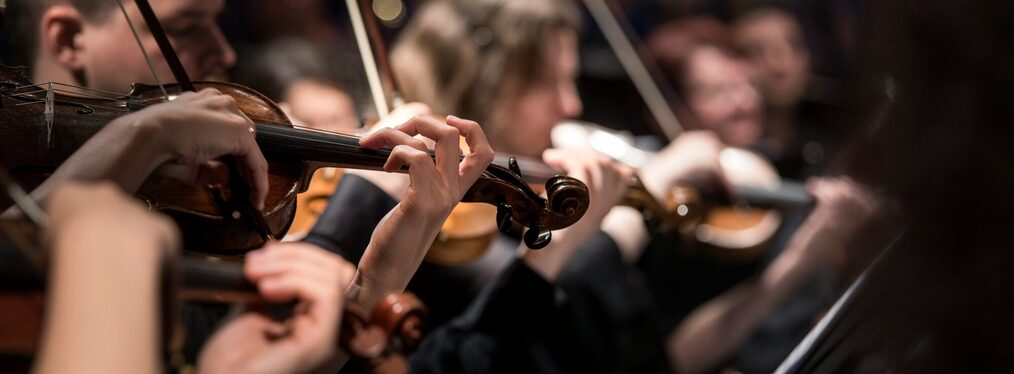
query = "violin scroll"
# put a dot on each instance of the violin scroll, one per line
(380, 340)
(516, 202)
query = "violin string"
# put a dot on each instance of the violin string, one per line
(46, 90)
(337, 139)
(125, 98)
(39, 86)
(60, 90)
(144, 52)
(89, 105)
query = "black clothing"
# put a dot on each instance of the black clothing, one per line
(345, 228)
(503, 331)
(353, 212)
(597, 320)
(613, 311)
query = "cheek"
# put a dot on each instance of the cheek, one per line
(535, 120)
(708, 112)
(114, 64)
(190, 55)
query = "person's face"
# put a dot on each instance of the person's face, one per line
(542, 104)
(111, 59)
(721, 97)
(322, 106)
(773, 43)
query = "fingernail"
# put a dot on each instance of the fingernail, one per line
(453, 117)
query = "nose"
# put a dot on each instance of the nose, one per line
(570, 101)
(746, 97)
(220, 56)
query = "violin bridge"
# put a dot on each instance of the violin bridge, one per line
(50, 98)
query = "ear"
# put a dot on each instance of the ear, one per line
(59, 37)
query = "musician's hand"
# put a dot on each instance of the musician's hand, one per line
(195, 129)
(104, 281)
(692, 157)
(394, 184)
(843, 207)
(180, 138)
(606, 181)
(605, 178)
(284, 272)
(436, 186)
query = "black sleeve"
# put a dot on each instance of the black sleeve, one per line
(495, 334)
(611, 310)
(352, 213)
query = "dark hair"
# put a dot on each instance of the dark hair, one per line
(274, 66)
(22, 18)
(673, 43)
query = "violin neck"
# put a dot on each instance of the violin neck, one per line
(532, 170)
(788, 195)
(324, 149)
(327, 149)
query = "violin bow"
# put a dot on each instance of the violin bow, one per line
(36, 216)
(237, 206)
(619, 35)
(369, 62)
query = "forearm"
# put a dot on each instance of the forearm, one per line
(395, 252)
(353, 213)
(102, 307)
(715, 330)
(124, 153)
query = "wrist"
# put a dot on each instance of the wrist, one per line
(146, 140)
(427, 218)
(630, 238)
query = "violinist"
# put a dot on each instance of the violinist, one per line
(799, 105)
(80, 43)
(514, 68)
(712, 78)
(103, 302)
(783, 298)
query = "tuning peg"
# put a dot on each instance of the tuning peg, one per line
(512, 163)
(538, 237)
(504, 222)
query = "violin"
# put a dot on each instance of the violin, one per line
(312, 203)
(378, 339)
(42, 127)
(731, 225)
(739, 222)
(736, 225)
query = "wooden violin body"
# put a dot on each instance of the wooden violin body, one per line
(727, 228)
(41, 128)
(378, 339)
(732, 226)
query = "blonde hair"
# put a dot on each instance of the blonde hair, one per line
(463, 57)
